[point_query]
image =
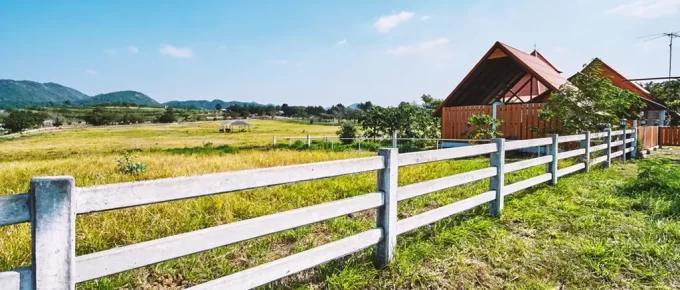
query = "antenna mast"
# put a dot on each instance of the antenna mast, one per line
(670, 35)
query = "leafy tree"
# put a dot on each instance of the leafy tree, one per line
(100, 116)
(430, 103)
(57, 123)
(483, 127)
(167, 117)
(347, 130)
(365, 106)
(218, 107)
(18, 121)
(591, 101)
(668, 94)
(67, 102)
(407, 120)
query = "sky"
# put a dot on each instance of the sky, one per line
(316, 52)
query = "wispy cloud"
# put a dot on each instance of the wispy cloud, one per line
(647, 8)
(426, 47)
(174, 51)
(342, 42)
(132, 49)
(425, 17)
(281, 62)
(91, 72)
(389, 22)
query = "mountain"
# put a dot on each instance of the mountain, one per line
(353, 106)
(209, 105)
(19, 94)
(122, 97)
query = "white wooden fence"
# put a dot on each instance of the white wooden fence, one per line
(53, 203)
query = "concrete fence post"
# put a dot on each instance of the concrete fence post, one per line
(309, 140)
(634, 135)
(274, 140)
(386, 217)
(497, 182)
(552, 166)
(394, 139)
(623, 147)
(585, 144)
(608, 139)
(53, 223)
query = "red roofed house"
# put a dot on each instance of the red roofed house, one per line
(522, 81)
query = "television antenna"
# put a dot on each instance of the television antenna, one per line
(670, 36)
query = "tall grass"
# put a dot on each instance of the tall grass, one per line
(582, 233)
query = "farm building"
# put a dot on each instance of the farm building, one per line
(521, 82)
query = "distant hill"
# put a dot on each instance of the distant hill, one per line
(208, 105)
(122, 97)
(19, 94)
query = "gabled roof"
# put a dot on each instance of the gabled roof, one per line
(499, 69)
(619, 80)
(539, 55)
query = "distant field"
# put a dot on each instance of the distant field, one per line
(582, 233)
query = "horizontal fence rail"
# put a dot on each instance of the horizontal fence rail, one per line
(53, 204)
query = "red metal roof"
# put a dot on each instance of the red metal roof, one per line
(499, 69)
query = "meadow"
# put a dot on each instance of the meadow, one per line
(583, 233)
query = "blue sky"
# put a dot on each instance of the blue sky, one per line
(315, 52)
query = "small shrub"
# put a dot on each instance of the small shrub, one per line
(484, 127)
(347, 130)
(659, 175)
(127, 165)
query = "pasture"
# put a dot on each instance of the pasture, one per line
(582, 233)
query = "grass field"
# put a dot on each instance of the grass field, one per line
(583, 233)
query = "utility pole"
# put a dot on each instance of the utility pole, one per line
(670, 35)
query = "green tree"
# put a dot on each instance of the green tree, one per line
(590, 101)
(167, 117)
(347, 130)
(668, 94)
(100, 116)
(407, 120)
(483, 127)
(67, 102)
(18, 121)
(430, 103)
(218, 107)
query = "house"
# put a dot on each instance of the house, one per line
(653, 112)
(521, 82)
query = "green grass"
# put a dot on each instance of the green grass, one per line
(586, 232)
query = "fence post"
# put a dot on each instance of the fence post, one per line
(585, 144)
(274, 140)
(309, 141)
(53, 223)
(386, 217)
(497, 182)
(623, 147)
(552, 166)
(394, 139)
(633, 152)
(608, 139)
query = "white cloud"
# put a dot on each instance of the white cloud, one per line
(91, 72)
(423, 48)
(174, 51)
(281, 62)
(342, 42)
(132, 49)
(388, 22)
(425, 17)
(647, 8)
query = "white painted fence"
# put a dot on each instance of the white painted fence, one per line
(53, 203)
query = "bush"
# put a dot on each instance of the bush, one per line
(100, 116)
(127, 165)
(18, 121)
(167, 117)
(347, 130)
(659, 175)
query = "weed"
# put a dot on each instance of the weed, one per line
(128, 165)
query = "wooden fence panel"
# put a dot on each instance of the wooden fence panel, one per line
(669, 136)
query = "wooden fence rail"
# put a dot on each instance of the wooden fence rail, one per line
(53, 204)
